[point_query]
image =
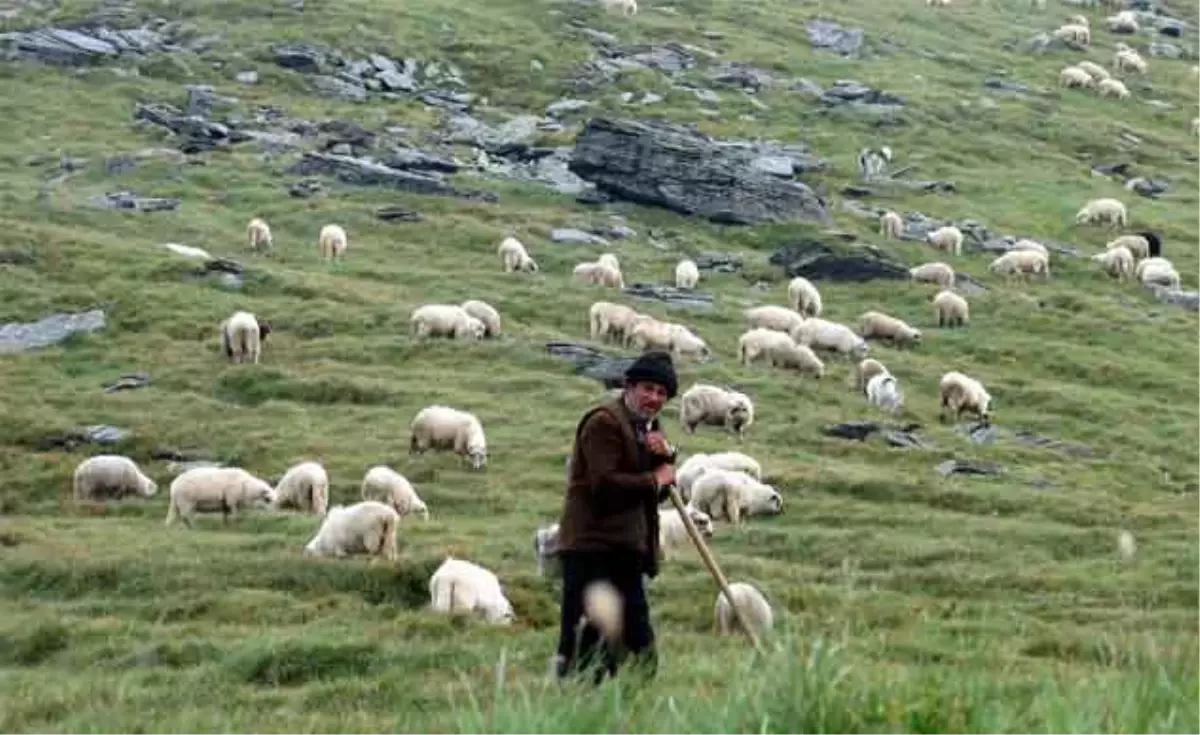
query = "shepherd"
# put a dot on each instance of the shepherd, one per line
(621, 468)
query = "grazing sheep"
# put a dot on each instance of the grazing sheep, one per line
(758, 342)
(951, 309)
(685, 343)
(734, 495)
(213, 489)
(687, 275)
(1073, 76)
(692, 468)
(443, 428)
(891, 225)
(804, 297)
(960, 393)
(1074, 33)
(110, 477)
(1123, 22)
(599, 274)
(1157, 271)
(331, 243)
(712, 406)
(1118, 262)
(750, 602)
(778, 318)
(484, 312)
(259, 234)
(821, 334)
(305, 487)
(734, 461)
(1094, 70)
(1027, 244)
(647, 333)
(865, 370)
(368, 527)
(624, 7)
(461, 586)
(514, 257)
(437, 320)
(883, 391)
(780, 350)
(1020, 263)
(1103, 210)
(545, 550)
(871, 161)
(611, 321)
(1128, 60)
(1112, 88)
(242, 337)
(609, 260)
(877, 325)
(1137, 245)
(672, 534)
(385, 485)
(938, 274)
(948, 239)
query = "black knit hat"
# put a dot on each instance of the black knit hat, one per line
(653, 367)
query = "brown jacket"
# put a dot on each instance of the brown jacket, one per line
(612, 498)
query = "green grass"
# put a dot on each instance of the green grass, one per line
(906, 602)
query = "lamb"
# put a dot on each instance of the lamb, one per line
(1106, 209)
(625, 7)
(939, 274)
(305, 487)
(1020, 263)
(545, 550)
(960, 393)
(242, 337)
(1073, 76)
(948, 238)
(786, 353)
(952, 310)
(687, 275)
(883, 391)
(461, 586)
(1123, 22)
(441, 428)
(750, 603)
(385, 485)
(514, 257)
(1094, 70)
(877, 325)
(1157, 271)
(435, 320)
(821, 334)
(778, 318)
(891, 225)
(1137, 245)
(672, 533)
(212, 489)
(804, 297)
(110, 476)
(712, 406)
(259, 234)
(368, 527)
(1118, 262)
(1074, 33)
(1128, 60)
(599, 274)
(865, 370)
(484, 312)
(331, 242)
(734, 495)
(1112, 88)
(608, 320)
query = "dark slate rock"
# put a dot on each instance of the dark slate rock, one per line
(829, 35)
(816, 261)
(718, 262)
(668, 294)
(398, 214)
(854, 430)
(968, 467)
(20, 336)
(128, 381)
(130, 201)
(362, 172)
(592, 363)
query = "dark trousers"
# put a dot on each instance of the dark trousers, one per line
(580, 650)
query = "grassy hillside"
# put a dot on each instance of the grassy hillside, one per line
(906, 601)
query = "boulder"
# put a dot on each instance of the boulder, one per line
(363, 172)
(816, 261)
(668, 294)
(591, 363)
(20, 336)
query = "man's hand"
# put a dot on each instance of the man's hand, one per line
(657, 443)
(665, 475)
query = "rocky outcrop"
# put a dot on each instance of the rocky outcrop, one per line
(20, 336)
(363, 172)
(817, 261)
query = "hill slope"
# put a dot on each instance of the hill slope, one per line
(958, 603)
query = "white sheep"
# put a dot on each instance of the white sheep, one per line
(734, 461)
(436, 320)
(672, 533)
(368, 527)
(1103, 210)
(1026, 244)
(609, 260)
(891, 225)
(110, 476)
(1112, 88)
(607, 320)
(821, 334)
(216, 489)
(1020, 263)
(804, 297)
(1123, 22)
(686, 343)
(461, 586)
(1094, 70)
(734, 495)
(442, 428)
(599, 274)
(687, 275)
(960, 393)
(779, 318)
(1118, 262)
(259, 234)
(866, 369)
(1075, 33)
(1137, 245)
(1157, 271)
(692, 468)
(545, 550)
(1128, 60)
(883, 391)
(242, 337)
(710, 405)
(939, 274)
(1073, 76)
(758, 342)
(305, 487)
(877, 325)
(624, 7)
(385, 485)
(485, 313)
(514, 257)
(651, 334)
(787, 354)
(952, 310)
(754, 608)
(331, 242)
(948, 239)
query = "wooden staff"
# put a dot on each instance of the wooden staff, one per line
(711, 563)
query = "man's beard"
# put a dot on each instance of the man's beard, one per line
(638, 413)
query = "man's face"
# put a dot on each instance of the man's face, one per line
(648, 397)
